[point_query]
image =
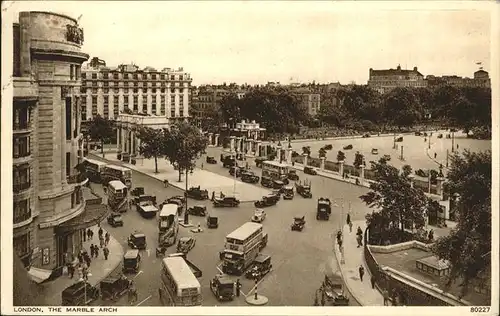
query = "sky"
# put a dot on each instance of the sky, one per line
(256, 42)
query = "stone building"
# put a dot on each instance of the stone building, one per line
(308, 99)
(205, 100)
(49, 210)
(109, 91)
(481, 80)
(385, 80)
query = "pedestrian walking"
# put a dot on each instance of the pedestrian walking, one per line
(106, 240)
(100, 232)
(91, 250)
(435, 155)
(350, 227)
(71, 270)
(360, 240)
(213, 195)
(348, 220)
(106, 253)
(340, 243)
(238, 288)
(339, 235)
(431, 236)
(84, 235)
(372, 280)
(361, 272)
(89, 234)
(96, 251)
(202, 166)
(359, 231)
(457, 146)
(101, 241)
(386, 297)
(394, 296)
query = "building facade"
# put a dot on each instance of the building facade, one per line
(109, 91)
(309, 100)
(386, 80)
(205, 100)
(49, 210)
(481, 80)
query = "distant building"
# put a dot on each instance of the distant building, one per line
(385, 80)
(309, 100)
(205, 100)
(481, 79)
(108, 91)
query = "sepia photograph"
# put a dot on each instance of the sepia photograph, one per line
(212, 157)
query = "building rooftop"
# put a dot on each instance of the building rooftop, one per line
(392, 72)
(405, 261)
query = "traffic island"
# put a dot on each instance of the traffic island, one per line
(256, 301)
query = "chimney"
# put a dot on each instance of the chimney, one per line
(415, 69)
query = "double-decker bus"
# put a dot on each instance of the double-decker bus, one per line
(168, 224)
(113, 172)
(93, 169)
(241, 247)
(274, 170)
(179, 286)
(117, 196)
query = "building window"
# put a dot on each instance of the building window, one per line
(115, 106)
(22, 245)
(172, 90)
(115, 76)
(22, 211)
(116, 90)
(84, 76)
(21, 147)
(135, 76)
(68, 118)
(125, 76)
(172, 112)
(162, 90)
(153, 90)
(94, 90)
(106, 83)
(162, 104)
(125, 90)
(84, 114)
(94, 76)
(172, 77)
(136, 103)
(180, 77)
(136, 90)
(106, 90)
(71, 72)
(94, 105)
(105, 76)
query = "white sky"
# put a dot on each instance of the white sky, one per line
(256, 42)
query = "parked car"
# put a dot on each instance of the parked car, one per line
(197, 193)
(298, 223)
(115, 220)
(226, 201)
(260, 267)
(222, 287)
(80, 293)
(235, 170)
(292, 175)
(348, 147)
(137, 240)
(131, 261)
(197, 210)
(211, 160)
(259, 216)
(367, 135)
(288, 193)
(278, 184)
(114, 287)
(268, 200)
(333, 287)
(249, 177)
(185, 244)
(266, 182)
(374, 151)
(310, 170)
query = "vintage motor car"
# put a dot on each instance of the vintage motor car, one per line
(277, 193)
(222, 287)
(288, 193)
(197, 193)
(400, 138)
(198, 210)
(292, 175)
(115, 220)
(249, 177)
(374, 151)
(147, 208)
(177, 200)
(366, 135)
(258, 216)
(79, 294)
(114, 287)
(418, 133)
(266, 182)
(228, 161)
(310, 170)
(144, 197)
(298, 223)
(131, 261)
(348, 147)
(235, 171)
(333, 288)
(278, 184)
(304, 189)
(267, 201)
(137, 191)
(226, 201)
(260, 267)
(211, 160)
(324, 209)
(259, 161)
(185, 244)
(137, 240)
(212, 221)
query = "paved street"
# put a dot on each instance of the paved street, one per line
(299, 258)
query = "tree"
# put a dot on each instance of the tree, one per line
(468, 246)
(402, 108)
(306, 150)
(152, 143)
(322, 152)
(340, 156)
(101, 129)
(395, 200)
(183, 145)
(358, 159)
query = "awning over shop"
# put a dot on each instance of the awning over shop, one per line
(93, 214)
(39, 275)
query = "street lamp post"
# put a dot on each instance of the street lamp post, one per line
(186, 215)
(452, 142)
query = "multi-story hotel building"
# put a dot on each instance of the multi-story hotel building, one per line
(49, 213)
(481, 79)
(385, 80)
(309, 100)
(205, 100)
(109, 91)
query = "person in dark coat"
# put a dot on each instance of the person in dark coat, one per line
(361, 272)
(92, 251)
(238, 288)
(372, 280)
(106, 238)
(360, 240)
(89, 234)
(348, 220)
(385, 293)
(96, 251)
(431, 235)
(359, 231)
(106, 253)
(100, 233)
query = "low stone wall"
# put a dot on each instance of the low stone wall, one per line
(332, 166)
(400, 246)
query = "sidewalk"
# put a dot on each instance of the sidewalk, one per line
(205, 179)
(362, 292)
(99, 269)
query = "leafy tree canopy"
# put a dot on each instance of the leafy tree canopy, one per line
(101, 129)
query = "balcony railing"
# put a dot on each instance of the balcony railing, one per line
(22, 154)
(76, 178)
(21, 126)
(21, 186)
(18, 218)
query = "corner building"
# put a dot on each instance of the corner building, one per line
(49, 211)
